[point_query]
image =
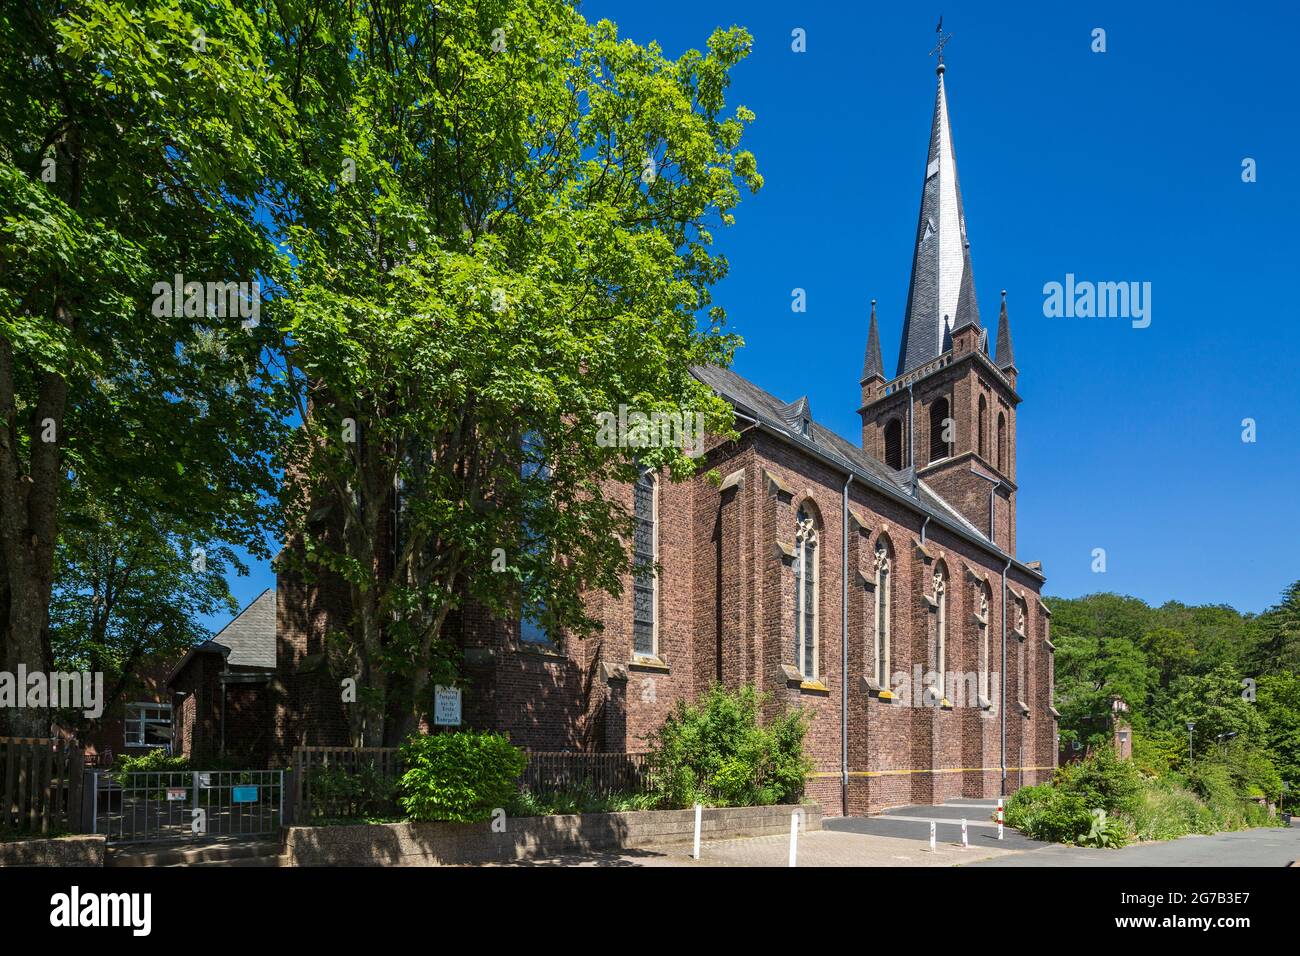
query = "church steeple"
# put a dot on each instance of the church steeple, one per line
(873, 367)
(941, 295)
(1005, 358)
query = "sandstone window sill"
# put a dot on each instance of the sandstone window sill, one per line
(813, 687)
(641, 662)
(547, 650)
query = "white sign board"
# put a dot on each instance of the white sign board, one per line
(446, 706)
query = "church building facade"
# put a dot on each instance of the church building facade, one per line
(873, 583)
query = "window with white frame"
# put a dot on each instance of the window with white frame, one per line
(645, 552)
(883, 610)
(148, 724)
(805, 595)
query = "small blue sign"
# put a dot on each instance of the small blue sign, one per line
(243, 794)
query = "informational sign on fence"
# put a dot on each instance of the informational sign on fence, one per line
(446, 706)
(175, 793)
(243, 795)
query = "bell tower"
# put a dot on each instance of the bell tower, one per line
(948, 416)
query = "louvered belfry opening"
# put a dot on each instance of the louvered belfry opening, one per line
(939, 423)
(894, 444)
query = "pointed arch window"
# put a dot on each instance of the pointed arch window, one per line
(533, 468)
(1002, 442)
(806, 609)
(940, 421)
(983, 598)
(884, 601)
(941, 623)
(645, 554)
(982, 443)
(894, 443)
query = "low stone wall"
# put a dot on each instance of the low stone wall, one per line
(451, 844)
(87, 850)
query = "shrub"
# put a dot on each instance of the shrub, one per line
(1164, 810)
(1046, 812)
(1104, 831)
(337, 792)
(461, 776)
(154, 761)
(717, 752)
(1103, 781)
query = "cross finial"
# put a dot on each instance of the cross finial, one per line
(943, 41)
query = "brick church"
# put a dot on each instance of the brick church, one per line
(874, 584)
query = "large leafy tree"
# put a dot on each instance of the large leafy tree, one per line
(135, 148)
(1099, 657)
(502, 225)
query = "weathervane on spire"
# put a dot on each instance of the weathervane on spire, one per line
(943, 40)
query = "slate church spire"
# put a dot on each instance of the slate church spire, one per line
(941, 295)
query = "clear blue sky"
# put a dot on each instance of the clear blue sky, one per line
(1116, 166)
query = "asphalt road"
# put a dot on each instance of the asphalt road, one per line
(913, 823)
(1266, 846)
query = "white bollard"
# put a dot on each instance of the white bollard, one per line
(794, 835)
(999, 819)
(964, 841)
(695, 854)
(931, 836)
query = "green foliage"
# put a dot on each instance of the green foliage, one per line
(717, 752)
(350, 793)
(1164, 810)
(1104, 832)
(460, 776)
(544, 803)
(1048, 813)
(491, 240)
(1158, 752)
(1102, 781)
(152, 761)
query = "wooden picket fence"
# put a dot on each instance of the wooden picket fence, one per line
(40, 785)
(601, 773)
(310, 802)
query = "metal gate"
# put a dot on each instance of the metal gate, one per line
(187, 805)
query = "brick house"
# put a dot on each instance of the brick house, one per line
(222, 690)
(874, 584)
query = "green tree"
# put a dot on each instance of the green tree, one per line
(1279, 645)
(130, 588)
(1278, 699)
(502, 222)
(1098, 657)
(134, 151)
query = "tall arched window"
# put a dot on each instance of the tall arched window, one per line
(894, 443)
(884, 559)
(805, 595)
(1002, 442)
(983, 429)
(645, 552)
(940, 422)
(983, 597)
(941, 624)
(534, 471)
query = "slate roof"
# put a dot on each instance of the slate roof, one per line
(941, 294)
(1006, 357)
(771, 410)
(251, 635)
(872, 364)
